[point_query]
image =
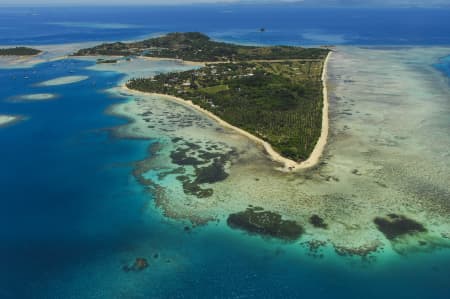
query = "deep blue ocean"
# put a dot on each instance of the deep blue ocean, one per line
(284, 24)
(71, 213)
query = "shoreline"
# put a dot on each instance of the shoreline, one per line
(186, 62)
(288, 164)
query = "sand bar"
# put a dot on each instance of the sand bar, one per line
(35, 97)
(63, 80)
(6, 120)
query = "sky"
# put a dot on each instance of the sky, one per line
(338, 3)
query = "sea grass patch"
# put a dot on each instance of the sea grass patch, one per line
(267, 223)
(211, 174)
(192, 188)
(181, 157)
(318, 222)
(394, 226)
(208, 167)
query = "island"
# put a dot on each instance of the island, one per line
(273, 94)
(195, 46)
(19, 51)
(6, 120)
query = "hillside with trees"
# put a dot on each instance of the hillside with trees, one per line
(19, 51)
(194, 46)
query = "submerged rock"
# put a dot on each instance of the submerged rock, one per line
(394, 226)
(315, 248)
(211, 174)
(138, 265)
(180, 157)
(256, 220)
(318, 222)
(192, 188)
(363, 250)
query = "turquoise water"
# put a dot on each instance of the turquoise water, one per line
(72, 215)
(444, 66)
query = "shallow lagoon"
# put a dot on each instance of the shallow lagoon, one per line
(381, 101)
(75, 235)
(101, 227)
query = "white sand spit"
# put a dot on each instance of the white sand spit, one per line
(63, 80)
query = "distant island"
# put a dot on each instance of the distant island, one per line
(19, 51)
(194, 46)
(275, 93)
(6, 120)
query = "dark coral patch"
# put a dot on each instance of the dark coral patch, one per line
(318, 222)
(138, 265)
(394, 226)
(180, 157)
(209, 168)
(193, 188)
(211, 174)
(256, 220)
(315, 248)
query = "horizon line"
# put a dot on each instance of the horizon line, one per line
(222, 3)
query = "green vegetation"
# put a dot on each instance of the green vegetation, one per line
(194, 46)
(280, 102)
(19, 51)
(274, 93)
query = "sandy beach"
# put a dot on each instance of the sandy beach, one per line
(20, 61)
(185, 62)
(322, 142)
(288, 165)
